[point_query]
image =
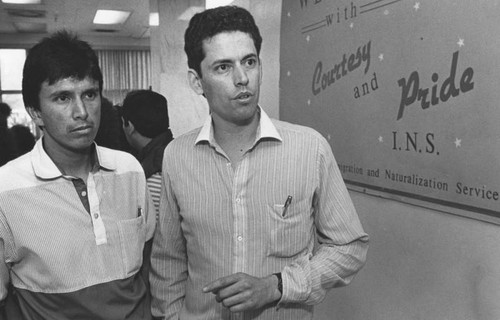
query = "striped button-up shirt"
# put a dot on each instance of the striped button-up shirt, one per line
(154, 186)
(216, 220)
(73, 249)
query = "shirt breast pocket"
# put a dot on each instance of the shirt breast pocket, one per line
(289, 234)
(132, 238)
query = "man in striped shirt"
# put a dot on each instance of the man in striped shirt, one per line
(245, 198)
(74, 217)
(146, 127)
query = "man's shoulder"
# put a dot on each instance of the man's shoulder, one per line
(302, 138)
(119, 160)
(184, 140)
(296, 130)
(16, 172)
(114, 153)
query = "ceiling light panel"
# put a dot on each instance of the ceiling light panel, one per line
(23, 1)
(111, 17)
(154, 19)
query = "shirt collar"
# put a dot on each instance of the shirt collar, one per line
(266, 129)
(45, 168)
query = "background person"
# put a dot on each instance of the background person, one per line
(244, 197)
(146, 127)
(7, 144)
(23, 138)
(110, 133)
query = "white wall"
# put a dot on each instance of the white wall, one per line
(186, 109)
(422, 264)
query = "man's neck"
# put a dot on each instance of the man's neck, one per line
(140, 141)
(71, 163)
(234, 139)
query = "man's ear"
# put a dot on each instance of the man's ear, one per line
(35, 115)
(195, 81)
(128, 126)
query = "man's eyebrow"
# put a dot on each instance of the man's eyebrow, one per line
(251, 55)
(93, 89)
(222, 61)
(60, 93)
(70, 92)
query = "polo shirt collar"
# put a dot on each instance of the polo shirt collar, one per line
(45, 168)
(265, 130)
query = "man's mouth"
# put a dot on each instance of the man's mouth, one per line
(243, 96)
(81, 128)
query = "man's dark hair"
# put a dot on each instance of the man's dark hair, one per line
(209, 23)
(59, 56)
(147, 110)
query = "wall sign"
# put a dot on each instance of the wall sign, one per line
(407, 93)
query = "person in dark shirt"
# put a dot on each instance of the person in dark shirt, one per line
(146, 127)
(23, 138)
(110, 133)
(7, 145)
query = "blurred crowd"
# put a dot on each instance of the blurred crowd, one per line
(14, 141)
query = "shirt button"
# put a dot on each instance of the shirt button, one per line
(239, 238)
(96, 215)
(237, 200)
(84, 193)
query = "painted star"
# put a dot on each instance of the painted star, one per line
(380, 139)
(329, 137)
(351, 25)
(308, 102)
(460, 42)
(416, 6)
(288, 73)
(386, 12)
(289, 14)
(308, 38)
(458, 143)
(381, 57)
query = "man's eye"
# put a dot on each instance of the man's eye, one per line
(62, 99)
(90, 95)
(222, 68)
(251, 62)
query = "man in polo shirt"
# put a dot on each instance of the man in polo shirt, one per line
(74, 217)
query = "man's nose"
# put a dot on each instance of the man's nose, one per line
(240, 76)
(80, 109)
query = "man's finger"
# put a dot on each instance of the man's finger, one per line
(220, 283)
(239, 299)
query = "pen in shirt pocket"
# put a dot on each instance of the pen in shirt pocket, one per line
(286, 205)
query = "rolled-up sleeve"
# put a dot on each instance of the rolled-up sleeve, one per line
(342, 242)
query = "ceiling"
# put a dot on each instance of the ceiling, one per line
(75, 15)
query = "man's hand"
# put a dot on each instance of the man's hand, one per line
(240, 292)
